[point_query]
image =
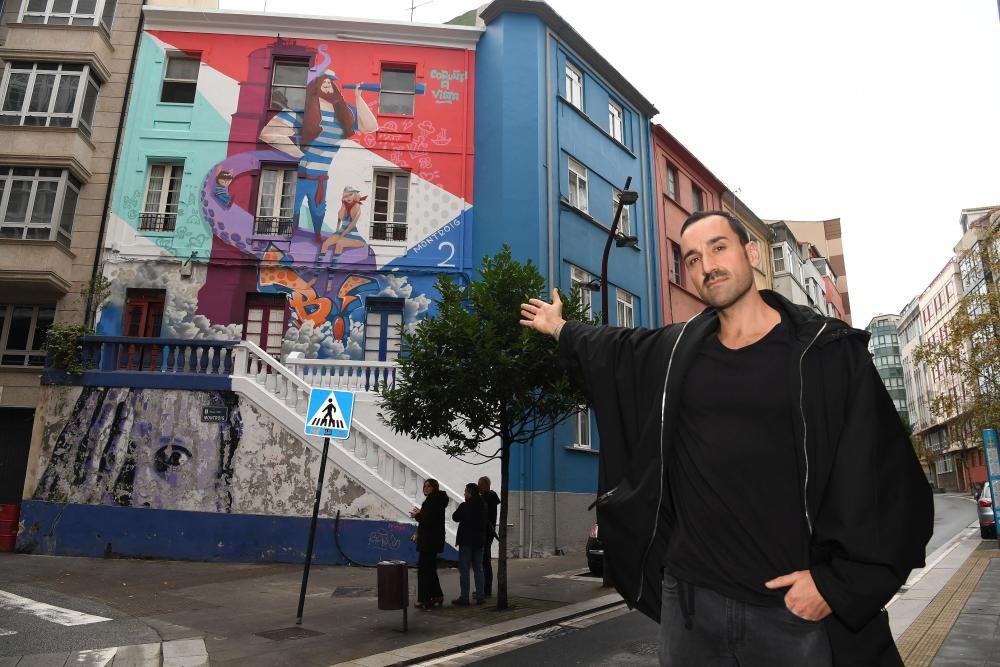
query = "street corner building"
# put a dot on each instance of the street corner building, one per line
(281, 210)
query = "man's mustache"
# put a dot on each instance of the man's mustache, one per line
(709, 277)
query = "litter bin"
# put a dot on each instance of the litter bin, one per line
(8, 526)
(393, 587)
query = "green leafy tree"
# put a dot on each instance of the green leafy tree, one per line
(968, 354)
(475, 377)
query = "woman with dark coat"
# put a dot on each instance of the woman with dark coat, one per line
(430, 542)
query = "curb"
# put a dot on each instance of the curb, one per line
(438, 648)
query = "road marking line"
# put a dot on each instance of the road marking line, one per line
(47, 612)
(4, 632)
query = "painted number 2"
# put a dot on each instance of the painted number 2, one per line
(447, 263)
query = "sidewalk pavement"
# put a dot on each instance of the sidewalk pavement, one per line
(948, 615)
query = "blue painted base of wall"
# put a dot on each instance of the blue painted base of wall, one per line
(59, 529)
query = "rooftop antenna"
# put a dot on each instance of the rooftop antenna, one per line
(413, 6)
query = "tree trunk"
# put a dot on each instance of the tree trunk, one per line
(501, 578)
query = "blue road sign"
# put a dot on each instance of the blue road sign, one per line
(329, 413)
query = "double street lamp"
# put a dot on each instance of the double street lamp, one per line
(627, 198)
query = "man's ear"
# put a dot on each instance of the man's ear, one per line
(753, 254)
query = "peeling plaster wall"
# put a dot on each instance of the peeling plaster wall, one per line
(148, 448)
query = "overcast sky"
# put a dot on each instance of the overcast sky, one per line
(884, 114)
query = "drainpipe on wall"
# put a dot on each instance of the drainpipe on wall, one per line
(88, 313)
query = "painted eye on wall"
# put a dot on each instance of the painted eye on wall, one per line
(170, 456)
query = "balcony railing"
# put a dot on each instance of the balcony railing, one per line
(157, 222)
(129, 361)
(347, 375)
(388, 231)
(274, 226)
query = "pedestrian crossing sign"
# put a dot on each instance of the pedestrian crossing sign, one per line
(329, 413)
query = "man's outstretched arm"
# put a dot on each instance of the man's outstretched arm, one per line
(544, 317)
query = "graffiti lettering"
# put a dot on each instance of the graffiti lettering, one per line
(454, 224)
(445, 96)
(383, 540)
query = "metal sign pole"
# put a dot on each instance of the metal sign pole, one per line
(312, 530)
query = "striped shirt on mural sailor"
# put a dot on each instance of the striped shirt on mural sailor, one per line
(313, 137)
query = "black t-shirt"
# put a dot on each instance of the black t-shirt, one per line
(733, 475)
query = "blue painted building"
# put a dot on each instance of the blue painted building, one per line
(558, 131)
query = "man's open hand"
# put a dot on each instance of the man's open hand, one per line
(544, 317)
(803, 598)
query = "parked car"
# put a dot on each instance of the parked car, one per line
(595, 552)
(984, 507)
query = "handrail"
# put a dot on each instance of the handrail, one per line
(151, 340)
(339, 363)
(241, 369)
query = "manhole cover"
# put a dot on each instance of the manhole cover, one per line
(353, 592)
(288, 633)
(644, 648)
(551, 632)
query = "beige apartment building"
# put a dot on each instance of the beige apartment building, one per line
(64, 77)
(825, 236)
(760, 233)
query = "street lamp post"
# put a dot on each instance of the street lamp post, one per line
(627, 198)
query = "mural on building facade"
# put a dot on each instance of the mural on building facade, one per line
(140, 448)
(365, 204)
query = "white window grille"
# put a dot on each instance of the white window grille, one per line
(48, 94)
(626, 309)
(163, 193)
(616, 121)
(625, 222)
(392, 191)
(581, 428)
(578, 194)
(574, 86)
(579, 279)
(69, 12)
(288, 84)
(37, 204)
(275, 202)
(22, 334)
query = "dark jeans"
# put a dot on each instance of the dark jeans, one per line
(488, 568)
(470, 557)
(724, 632)
(428, 584)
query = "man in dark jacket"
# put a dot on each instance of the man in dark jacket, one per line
(471, 518)
(764, 500)
(492, 501)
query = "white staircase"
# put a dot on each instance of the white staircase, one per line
(365, 456)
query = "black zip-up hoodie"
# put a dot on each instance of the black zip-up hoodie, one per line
(867, 502)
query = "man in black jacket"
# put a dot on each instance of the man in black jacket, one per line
(492, 501)
(765, 502)
(471, 518)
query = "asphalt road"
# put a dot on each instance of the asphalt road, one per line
(631, 639)
(34, 620)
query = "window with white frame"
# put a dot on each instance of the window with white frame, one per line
(580, 279)
(392, 192)
(625, 222)
(677, 263)
(778, 258)
(398, 89)
(616, 121)
(672, 182)
(574, 86)
(275, 202)
(626, 308)
(581, 428)
(943, 465)
(22, 333)
(180, 80)
(163, 194)
(48, 94)
(69, 12)
(37, 204)
(578, 194)
(288, 84)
